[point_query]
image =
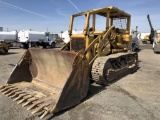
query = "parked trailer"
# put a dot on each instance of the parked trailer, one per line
(35, 38)
(10, 37)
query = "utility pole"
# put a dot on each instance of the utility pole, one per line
(61, 34)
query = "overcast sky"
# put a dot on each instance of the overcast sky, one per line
(54, 15)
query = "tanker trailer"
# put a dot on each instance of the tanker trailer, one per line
(10, 38)
(35, 38)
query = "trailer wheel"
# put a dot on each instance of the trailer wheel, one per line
(34, 44)
(44, 45)
(154, 51)
(53, 45)
(151, 42)
(25, 46)
(133, 47)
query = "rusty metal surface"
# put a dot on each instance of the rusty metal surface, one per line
(48, 81)
(78, 44)
(51, 66)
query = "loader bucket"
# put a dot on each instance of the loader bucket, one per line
(48, 80)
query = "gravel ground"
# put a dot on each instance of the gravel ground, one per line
(133, 97)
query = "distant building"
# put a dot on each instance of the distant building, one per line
(1, 28)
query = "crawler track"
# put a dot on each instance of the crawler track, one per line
(108, 68)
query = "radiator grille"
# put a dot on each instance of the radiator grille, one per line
(78, 44)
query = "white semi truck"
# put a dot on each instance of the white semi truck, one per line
(156, 42)
(35, 38)
(10, 37)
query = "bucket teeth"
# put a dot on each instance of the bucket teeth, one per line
(9, 90)
(35, 104)
(12, 92)
(6, 88)
(44, 114)
(2, 87)
(20, 96)
(16, 94)
(24, 98)
(29, 101)
(40, 108)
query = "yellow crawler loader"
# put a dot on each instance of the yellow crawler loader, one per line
(52, 80)
(4, 47)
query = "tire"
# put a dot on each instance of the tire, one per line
(25, 46)
(151, 42)
(154, 51)
(53, 45)
(44, 45)
(133, 47)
